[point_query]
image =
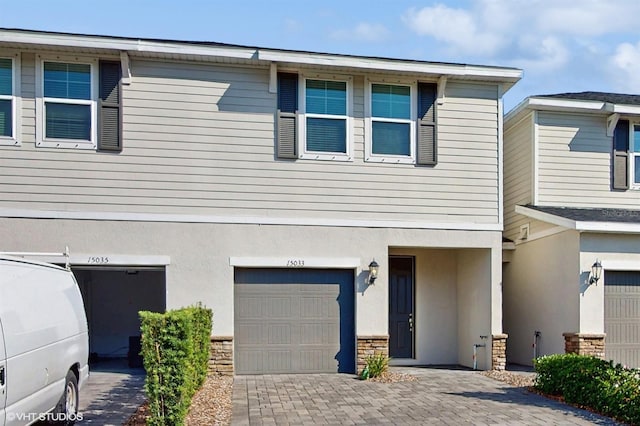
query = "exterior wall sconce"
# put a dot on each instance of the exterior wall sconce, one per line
(373, 271)
(596, 272)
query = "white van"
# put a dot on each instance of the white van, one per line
(44, 343)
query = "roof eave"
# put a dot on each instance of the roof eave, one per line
(580, 226)
(507, 77)
(534, 103)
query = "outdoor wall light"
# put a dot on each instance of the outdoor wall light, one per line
(373, 271)
(596, 272)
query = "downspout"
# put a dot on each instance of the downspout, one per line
(536, 336)
(475, 351)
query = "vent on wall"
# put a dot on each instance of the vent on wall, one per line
(524, 232)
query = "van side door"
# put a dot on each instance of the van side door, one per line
(3, 377)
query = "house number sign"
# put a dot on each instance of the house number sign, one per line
(98, 260)
(295, 263)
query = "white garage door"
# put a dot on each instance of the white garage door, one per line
(622, 317)
(294, 321)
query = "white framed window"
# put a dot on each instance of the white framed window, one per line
(634, 154)
(66, 102)
(390, 116)
(9, 99)
(325, 121)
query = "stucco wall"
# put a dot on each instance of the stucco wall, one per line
(617, 253)
(541, 292)
(199, 269)
(474, 289)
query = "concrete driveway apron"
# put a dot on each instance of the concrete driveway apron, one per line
(439, 396)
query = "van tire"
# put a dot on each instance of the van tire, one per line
(67, 407)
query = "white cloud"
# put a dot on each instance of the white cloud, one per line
(363, 32)
(627, 67)
(542, 55)
(457, 27)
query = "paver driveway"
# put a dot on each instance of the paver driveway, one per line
(439, 396)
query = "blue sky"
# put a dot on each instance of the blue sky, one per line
(562, 45)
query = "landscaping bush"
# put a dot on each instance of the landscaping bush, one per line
(375, 366)
(175, 351)
(612, 390)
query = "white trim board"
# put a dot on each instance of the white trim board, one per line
(245, 220)
(582, 226)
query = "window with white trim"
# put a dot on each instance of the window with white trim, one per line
(326, 119)
(8, 101)
(391, 122)
(66, 104)
(634, 151)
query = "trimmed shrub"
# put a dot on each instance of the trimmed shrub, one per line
(612, 390)
(375, 366)
(175, 351)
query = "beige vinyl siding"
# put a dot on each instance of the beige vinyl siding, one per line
(575, 163)
(199, 139)
(518, 174)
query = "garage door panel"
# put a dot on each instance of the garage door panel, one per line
(279, 334)
(305, 317)
(622, 317)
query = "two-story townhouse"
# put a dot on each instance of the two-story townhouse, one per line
(572, 211)
(263, 183)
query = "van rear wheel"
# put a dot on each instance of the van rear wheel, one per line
(67, 408)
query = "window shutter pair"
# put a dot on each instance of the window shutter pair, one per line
(427, 136)
(288, 114)
(287, 146)
(110, 107)
(620, 160)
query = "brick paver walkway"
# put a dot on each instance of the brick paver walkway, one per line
(439, 397)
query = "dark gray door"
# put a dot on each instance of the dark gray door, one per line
(401, 307)
(294, 321)
(622, 317)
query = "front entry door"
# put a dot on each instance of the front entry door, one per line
(401, 324)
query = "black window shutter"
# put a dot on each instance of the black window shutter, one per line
(620, 160)
(110, 107)
(427, 149)
(287, 146)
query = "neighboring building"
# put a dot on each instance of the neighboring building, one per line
(262, 183)
(572, 200)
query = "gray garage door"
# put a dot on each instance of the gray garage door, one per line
(622, 317)
(294, 321)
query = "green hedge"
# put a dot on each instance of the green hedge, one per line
(612, 390)
(175, 350)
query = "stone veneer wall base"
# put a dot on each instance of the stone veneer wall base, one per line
(221, 356)
(584, 344)
(370, 345)
(499, 352)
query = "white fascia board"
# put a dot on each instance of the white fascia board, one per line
(609, 227)
(497, 74)
(252, 220)
(623, 109)
(581, 226)
(114, 43)
(555, 104)
(546, 217)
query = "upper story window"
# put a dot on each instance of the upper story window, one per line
(66, 104)
(625, 171)
(325, 127)
(8, 101)
(635, 156)
(400, 122)
(392, 118)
